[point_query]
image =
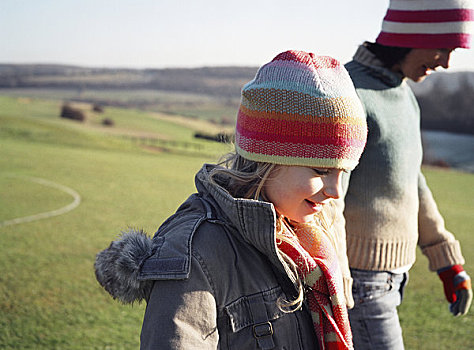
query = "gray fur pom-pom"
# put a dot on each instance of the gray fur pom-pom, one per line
(117, 268)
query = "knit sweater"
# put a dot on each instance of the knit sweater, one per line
(389, 208)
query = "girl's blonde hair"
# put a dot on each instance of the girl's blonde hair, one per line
(246, 179)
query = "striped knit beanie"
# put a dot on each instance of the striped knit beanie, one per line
(301, 109)
(428, 24)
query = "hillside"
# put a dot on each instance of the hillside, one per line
(213, 92)
(216, 81)
(446, 101)
(49, 297)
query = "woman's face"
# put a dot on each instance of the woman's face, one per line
(299, 192)
(419, 63)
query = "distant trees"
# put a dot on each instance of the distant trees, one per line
(213, 81)
(448, 107)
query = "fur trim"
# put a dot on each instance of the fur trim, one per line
(117, 268)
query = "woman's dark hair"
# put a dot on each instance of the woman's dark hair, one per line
(389, 55)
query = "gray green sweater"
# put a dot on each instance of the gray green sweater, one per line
(389, 209)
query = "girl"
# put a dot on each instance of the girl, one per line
(249, 262)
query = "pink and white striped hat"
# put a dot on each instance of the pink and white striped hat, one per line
(301, 109)
(428, 24)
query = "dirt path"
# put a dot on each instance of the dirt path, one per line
(74, 204)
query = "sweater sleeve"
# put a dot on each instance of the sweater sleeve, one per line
(436, 242)
(339, 229)
(181, 314)
(339, 224)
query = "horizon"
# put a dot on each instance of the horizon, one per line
(52, 64)
(145, 34)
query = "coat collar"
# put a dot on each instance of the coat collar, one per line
(255, 220)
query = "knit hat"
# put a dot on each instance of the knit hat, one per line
(428, 24)
(301, 109)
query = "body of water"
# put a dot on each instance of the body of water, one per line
(449, 149)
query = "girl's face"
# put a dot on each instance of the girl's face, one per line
(299, 192)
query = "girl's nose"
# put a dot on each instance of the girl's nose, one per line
(332, 184)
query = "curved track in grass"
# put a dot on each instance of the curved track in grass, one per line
(74, 204)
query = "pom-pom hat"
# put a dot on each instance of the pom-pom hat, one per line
(428, 24)
(301, 109)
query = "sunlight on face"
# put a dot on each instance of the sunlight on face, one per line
(300, 192)
(419, 63)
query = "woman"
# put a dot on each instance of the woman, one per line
(249, 260)
(389, 209)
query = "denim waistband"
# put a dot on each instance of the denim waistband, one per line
(375, 276)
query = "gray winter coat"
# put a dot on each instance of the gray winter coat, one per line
(211, 277)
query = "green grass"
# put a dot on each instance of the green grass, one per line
(216, 109)
(49, 298)
(27, 196)
(426, 320)
(48, 293)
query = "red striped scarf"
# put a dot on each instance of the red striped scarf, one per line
(316, 259)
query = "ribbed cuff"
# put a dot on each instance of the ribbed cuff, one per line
(443, 255)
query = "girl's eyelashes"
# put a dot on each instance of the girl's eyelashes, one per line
(321, 171)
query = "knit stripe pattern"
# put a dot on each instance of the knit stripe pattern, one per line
(301, 109)
(428, 24)
(317, 263)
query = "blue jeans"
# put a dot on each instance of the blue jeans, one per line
(374, 318)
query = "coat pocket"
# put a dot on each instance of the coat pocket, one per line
(257, 322)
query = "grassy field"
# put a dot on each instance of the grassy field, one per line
(220, 110)
(426, 321)
(49, 298)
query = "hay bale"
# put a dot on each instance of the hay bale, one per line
(98, 108)
(69, 112)
(108, 122)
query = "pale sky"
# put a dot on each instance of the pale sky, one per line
(187, 33)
